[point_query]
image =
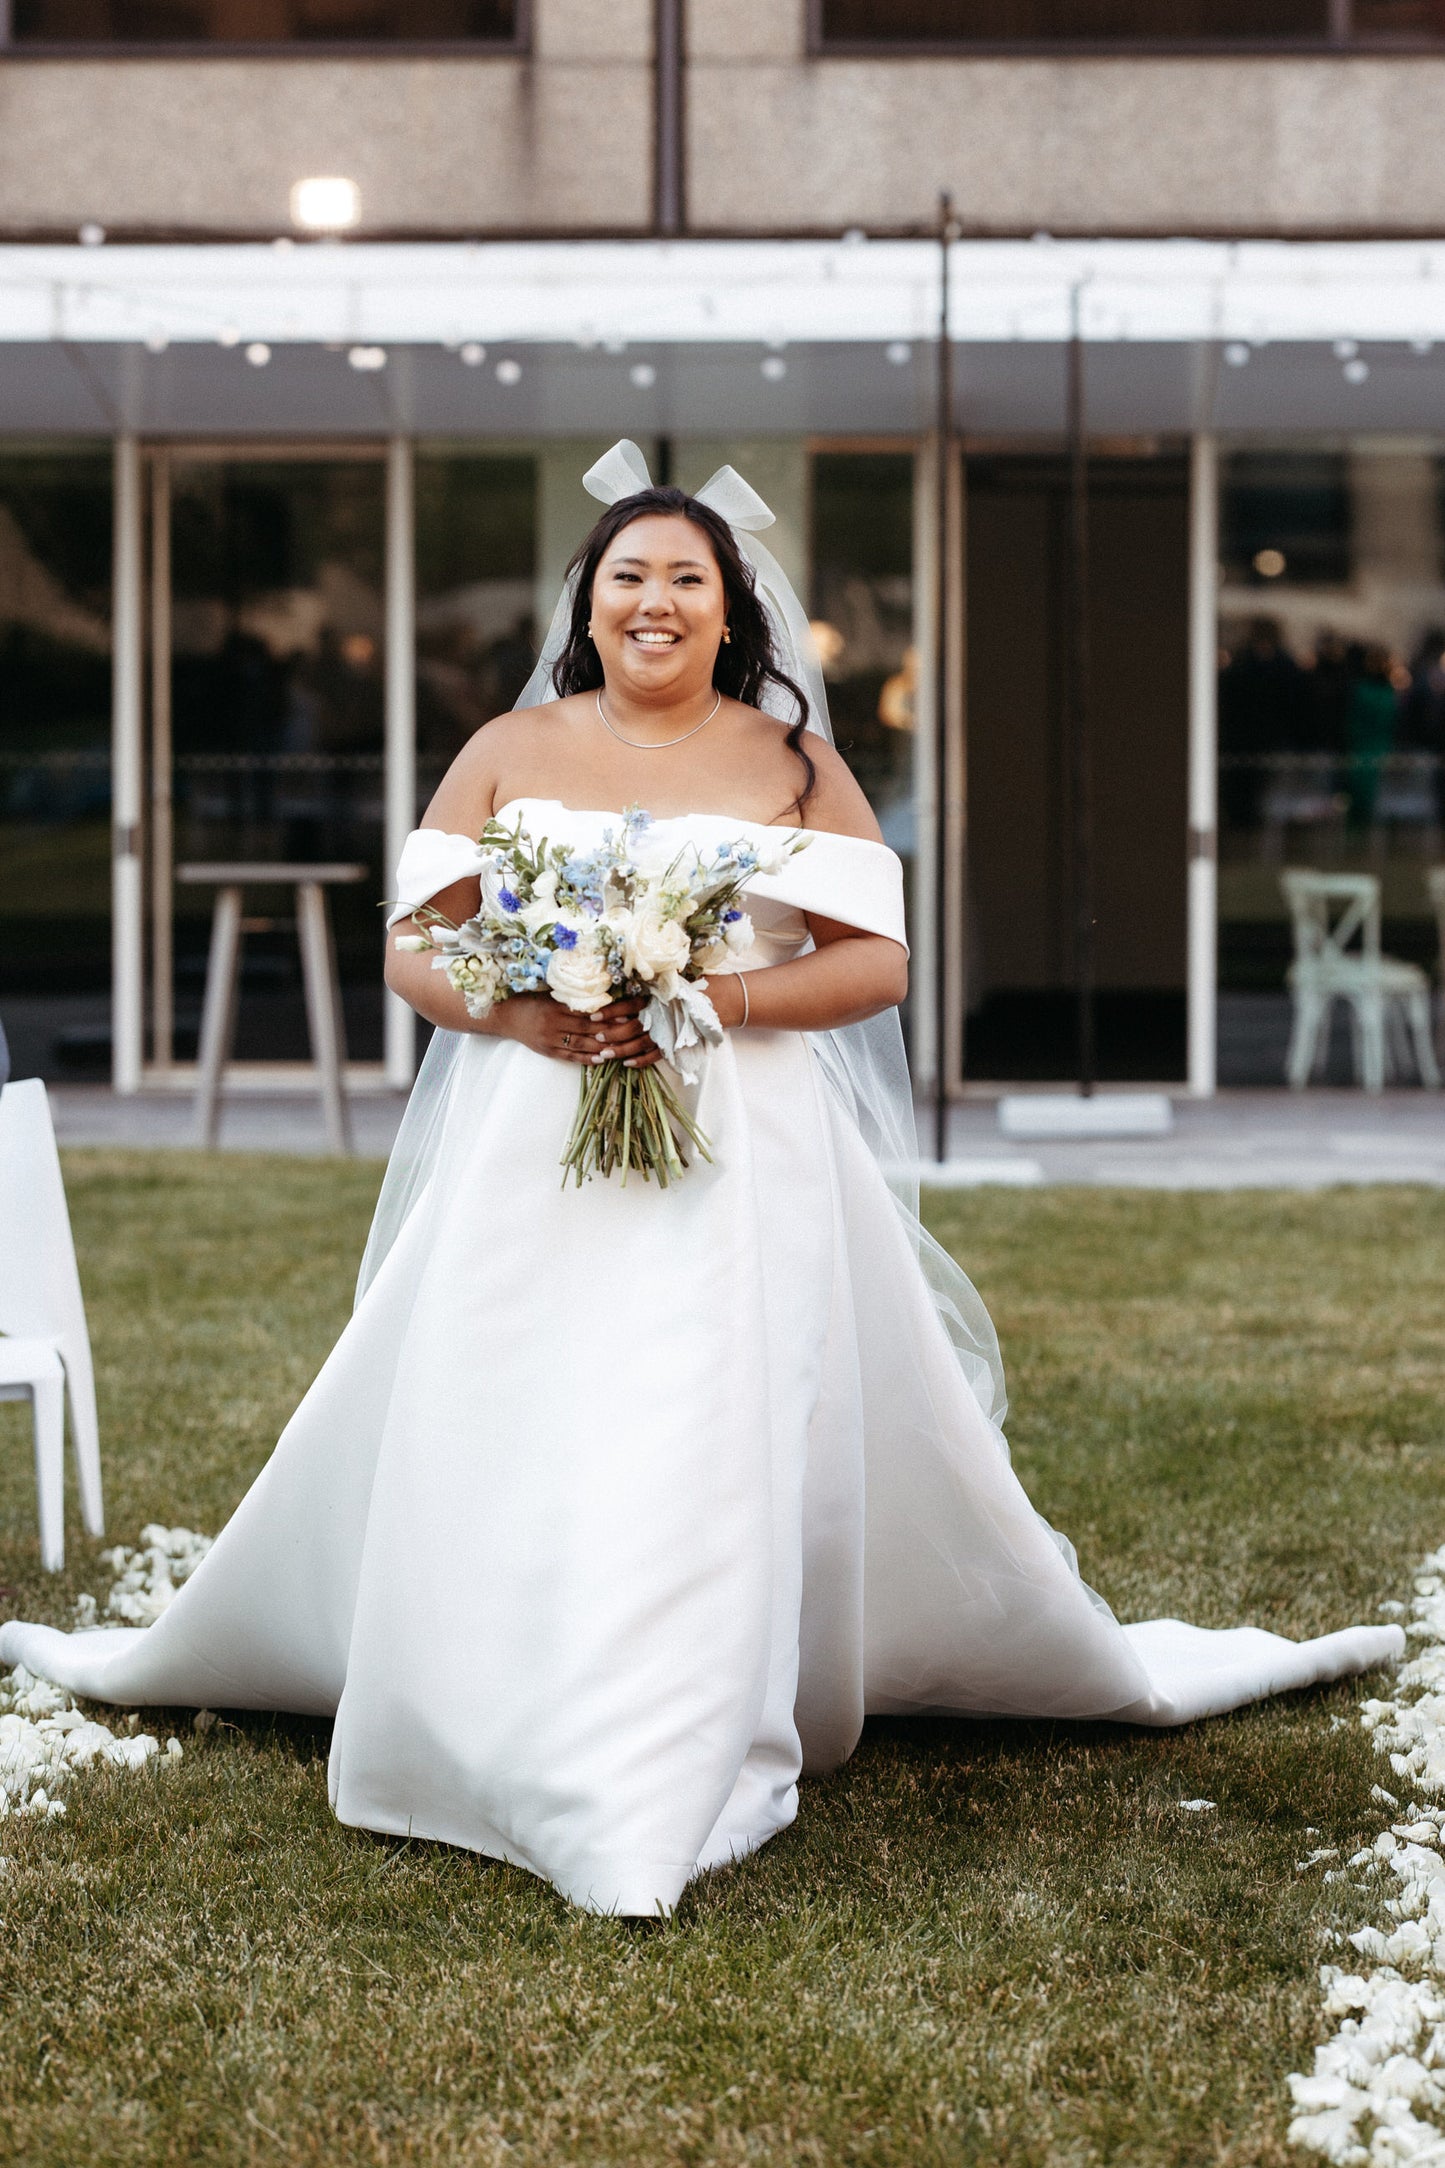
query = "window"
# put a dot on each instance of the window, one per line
(55, 522)
(924, 25)
(1331, 713)
(265, 22)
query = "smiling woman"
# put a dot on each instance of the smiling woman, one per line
(615, 1509)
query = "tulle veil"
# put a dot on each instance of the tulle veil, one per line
(864, 1064)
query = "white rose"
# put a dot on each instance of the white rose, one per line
(738, 933)
(655, 945)
(579, 977)
(713, 957)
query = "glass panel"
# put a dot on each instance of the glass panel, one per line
(1406, 20)
(277, 696)
(1022, 1021)
(258, 22)
(863, 622)
(55, 543)
(476, 550)
(1331, 715)
(979, 22)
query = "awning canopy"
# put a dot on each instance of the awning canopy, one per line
(521, 338)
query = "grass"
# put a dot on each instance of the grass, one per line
(979, 1943)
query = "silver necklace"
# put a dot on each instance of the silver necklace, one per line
(656, 745)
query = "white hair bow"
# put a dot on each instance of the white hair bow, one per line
(623, 471)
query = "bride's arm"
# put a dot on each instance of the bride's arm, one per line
(850, 974)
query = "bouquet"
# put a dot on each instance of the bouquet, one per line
(589, 927)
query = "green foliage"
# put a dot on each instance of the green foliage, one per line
(980, 1943)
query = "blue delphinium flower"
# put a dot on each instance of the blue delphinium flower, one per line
(731, 917)
(509, 899)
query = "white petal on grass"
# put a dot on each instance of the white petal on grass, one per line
(1196, 1806)
(44, 1737)
(1376, 2096)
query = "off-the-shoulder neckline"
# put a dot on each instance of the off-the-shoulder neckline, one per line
(662, 820)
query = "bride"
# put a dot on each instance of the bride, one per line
(616, 1509)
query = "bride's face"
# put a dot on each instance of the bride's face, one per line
(658, 608)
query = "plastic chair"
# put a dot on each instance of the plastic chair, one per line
(1435, 882)
(44, 1344)
(1379, 990)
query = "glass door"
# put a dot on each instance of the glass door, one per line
(267, 724)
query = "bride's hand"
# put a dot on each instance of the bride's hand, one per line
(547, 1027)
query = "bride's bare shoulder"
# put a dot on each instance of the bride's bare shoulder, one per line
(467, 793)
(835, 802)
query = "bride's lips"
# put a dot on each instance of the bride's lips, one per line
(653, 639)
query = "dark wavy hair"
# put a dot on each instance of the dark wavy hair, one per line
(746, 665)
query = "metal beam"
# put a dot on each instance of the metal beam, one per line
(400, 718)
(1203, 875)
(127, 1022)
(669, 172)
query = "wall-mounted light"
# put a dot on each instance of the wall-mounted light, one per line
(325, 203)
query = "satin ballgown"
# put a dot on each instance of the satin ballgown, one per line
(615, 1510)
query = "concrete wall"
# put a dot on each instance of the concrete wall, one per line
(1153, 145)
(559, 139)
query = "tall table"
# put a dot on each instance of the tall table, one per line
(318, 970)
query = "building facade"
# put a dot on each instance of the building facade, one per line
(312, 312)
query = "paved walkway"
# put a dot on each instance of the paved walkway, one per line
(1241, 1140)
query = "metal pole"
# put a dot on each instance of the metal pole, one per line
(162, 838)
(944, 432)
(127, 1019)
(1203, 876)
(1076, 702)
(400, 721)
(669, 184)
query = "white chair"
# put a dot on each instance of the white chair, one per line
(1435, 882)
(44, 1345)
(1381, 992)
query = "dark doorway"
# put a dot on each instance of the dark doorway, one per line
(1021, 1019)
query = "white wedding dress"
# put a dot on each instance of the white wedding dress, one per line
(614, 1510)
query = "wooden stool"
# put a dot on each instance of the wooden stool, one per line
(318, 971)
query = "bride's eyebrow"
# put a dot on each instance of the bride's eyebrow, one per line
(675, 564)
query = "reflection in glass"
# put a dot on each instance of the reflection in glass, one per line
(984, 22)
(476, 548)
(55, 544)
(862, 611)
(1331, 712)
(258, 22)
(277, 700)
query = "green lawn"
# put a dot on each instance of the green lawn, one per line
(979, 1943)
